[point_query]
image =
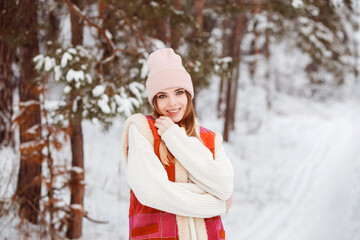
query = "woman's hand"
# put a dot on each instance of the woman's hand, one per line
(228, 204)
(163, 123)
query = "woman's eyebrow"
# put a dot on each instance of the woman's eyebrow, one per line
(179, 89)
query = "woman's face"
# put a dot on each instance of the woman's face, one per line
(172, 102)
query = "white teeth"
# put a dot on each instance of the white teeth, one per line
(174, 111)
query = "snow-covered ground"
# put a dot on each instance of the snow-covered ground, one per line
(296, 178)
(299, 177)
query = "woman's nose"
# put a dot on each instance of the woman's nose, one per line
(171, 101)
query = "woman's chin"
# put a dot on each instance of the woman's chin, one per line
(175, 119)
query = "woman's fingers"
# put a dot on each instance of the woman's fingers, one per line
(163, 123)
(228, 204)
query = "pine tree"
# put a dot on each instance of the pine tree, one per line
(29, 178)
(76, 136)
(6, 75)
(318, 29)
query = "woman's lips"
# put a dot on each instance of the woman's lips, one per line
(173, 112)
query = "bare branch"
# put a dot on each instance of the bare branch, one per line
(94, 220)
(74, 9)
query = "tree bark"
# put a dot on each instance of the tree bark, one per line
(198, 14)
(6, 90)
(6, 76)
(77, 174)
(269, 86)
(221, 98)
(53, 26)
(239, 30)
(225, 53)
(175, 28)
(254, 47)
(199, 6)
(77, 180)
(29, 177)
(161, 31)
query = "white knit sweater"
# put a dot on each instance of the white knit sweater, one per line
(212, 180)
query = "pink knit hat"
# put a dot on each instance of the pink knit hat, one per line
(166, 71)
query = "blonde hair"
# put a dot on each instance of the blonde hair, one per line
(188, 122)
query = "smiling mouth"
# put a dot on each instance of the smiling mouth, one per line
(174, 111)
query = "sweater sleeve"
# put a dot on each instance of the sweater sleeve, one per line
(213, 176)
(148, 179)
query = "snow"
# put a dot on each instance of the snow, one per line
(98, 90)
(337, 3)
(8, 174)
(72, 51)
(133, 72)
(125, 105)
(144, 69)
(313, 10)
(67, 89)
(78, 170)
(297, 3)
(39, 59)
(177, 12)
(314, 179)
(154, 4)
(28, 103)
(296, 178)
(76, 206)
(31, 144)
(33, 129)
(58, 51)
(77, 85)
(88, 78)
(49, 63)
(58, 73)
(65, 59)
(135, 88)
(103, 104)
(75, 103)
(73, 75)
(108, 34)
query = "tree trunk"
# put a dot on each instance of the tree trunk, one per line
(255, 47)
(77, 179)
(225, 53)
(198, 15)
(175, 28)
(29, 177)
(220, 112)
(6, 75)
(161, 31)
(197, 33)
(234, 94)
(77, 174)
(53, 26)
(240, 25)
(229, 108)
(269, 86)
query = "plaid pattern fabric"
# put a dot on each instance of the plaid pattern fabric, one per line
(153, 226)
(215, 229)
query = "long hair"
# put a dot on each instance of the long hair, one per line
(188, 122)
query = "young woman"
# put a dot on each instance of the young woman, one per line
(180, 177)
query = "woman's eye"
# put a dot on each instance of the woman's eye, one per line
(179, 92)
(161, 96)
